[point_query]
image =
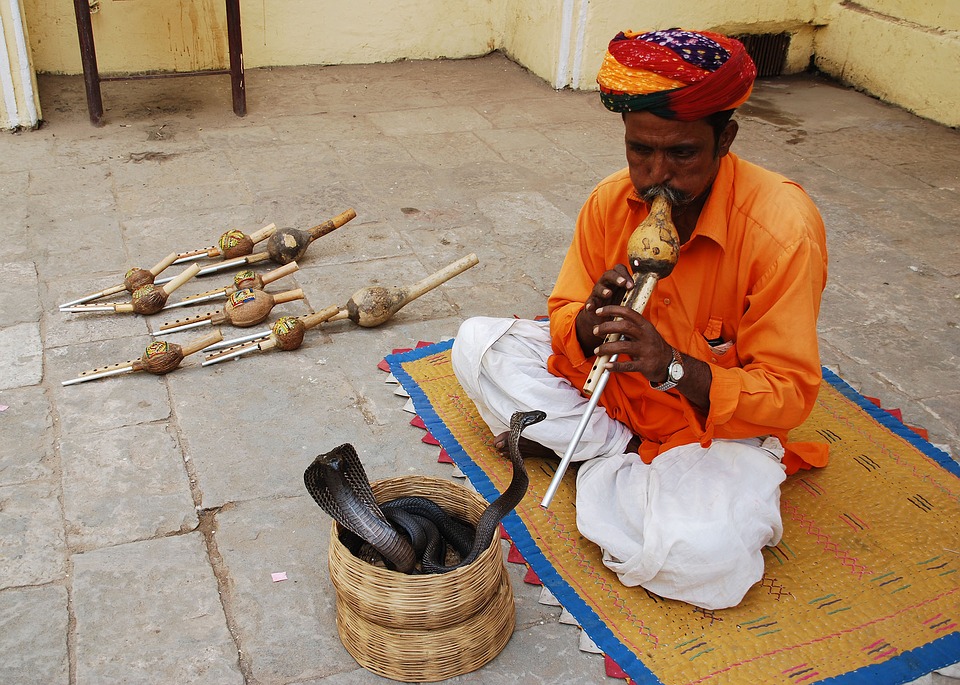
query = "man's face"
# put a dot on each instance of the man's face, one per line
(680, 155)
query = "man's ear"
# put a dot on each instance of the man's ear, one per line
(727, 137)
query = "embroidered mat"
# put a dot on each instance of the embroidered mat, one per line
(863, 588)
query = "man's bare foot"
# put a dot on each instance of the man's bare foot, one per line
(528, 448)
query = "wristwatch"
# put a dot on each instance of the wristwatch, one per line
(674, 373)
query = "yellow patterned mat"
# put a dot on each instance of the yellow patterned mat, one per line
(862, 588)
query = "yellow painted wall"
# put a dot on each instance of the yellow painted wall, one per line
(884, 50)
(187, 35)
(885, 47)
(746, 16)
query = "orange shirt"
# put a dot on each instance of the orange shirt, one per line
(752, 274)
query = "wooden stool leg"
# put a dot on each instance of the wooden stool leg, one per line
(88, 55)
(235, 40)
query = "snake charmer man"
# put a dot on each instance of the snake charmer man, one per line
(679, 469)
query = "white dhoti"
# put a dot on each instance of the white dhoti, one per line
(689, 526)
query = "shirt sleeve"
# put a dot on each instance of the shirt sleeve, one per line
(579, 273)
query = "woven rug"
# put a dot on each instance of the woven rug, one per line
(863, 588)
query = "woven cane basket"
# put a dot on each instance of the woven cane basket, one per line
(423, 628)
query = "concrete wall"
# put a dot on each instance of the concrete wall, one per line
(901, 51)
(906, 52)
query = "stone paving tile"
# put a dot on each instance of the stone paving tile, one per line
(481, 157)
(33, 635)
(149, 612)
(22, 352)
(285, 629)
(32, 549)
(123, 485)
(30, 455)
(20, 278)
(124, 400)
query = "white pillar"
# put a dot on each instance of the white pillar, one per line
(19, 102)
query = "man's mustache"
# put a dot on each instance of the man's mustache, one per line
(672, 195)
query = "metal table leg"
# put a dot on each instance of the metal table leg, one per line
(88, 55)
(235, 41)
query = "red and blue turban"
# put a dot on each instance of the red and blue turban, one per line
(675, 74)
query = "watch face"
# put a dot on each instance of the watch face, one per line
(675, 371)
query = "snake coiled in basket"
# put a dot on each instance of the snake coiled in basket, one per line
(337, 482)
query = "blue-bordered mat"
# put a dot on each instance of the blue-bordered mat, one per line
(863, 588)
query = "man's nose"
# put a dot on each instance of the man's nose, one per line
(659, 169)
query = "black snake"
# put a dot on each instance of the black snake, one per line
(337, 482)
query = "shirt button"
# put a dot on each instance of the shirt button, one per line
(666, 300)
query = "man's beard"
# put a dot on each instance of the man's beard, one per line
(676, 198)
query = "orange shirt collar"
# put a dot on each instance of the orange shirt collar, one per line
(712, 223)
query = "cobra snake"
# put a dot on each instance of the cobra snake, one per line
(337, 482)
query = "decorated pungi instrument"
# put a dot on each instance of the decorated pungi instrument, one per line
(652, 251)
(147, 299)
(289, 246)
(233, 243)
(133, 279)
(285, 334)
(248, 278)
(368, 307)
(243, 308)
(159, 358)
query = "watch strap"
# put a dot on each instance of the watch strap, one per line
(669, 384)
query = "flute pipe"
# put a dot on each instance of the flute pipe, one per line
(113, 290)
(197, 299)
(636, 299)
(440, 277)
(95, 376)
(74, 309)
(288, 296)
(196, 255)
(575, 440)
(331, 225)
(316, 318)
(181, 278)
(227, 355)
(238, 341)
(222, 266)
(280, 272)
(183, 327)
(201, 343)
(163, 264)
(262, 234)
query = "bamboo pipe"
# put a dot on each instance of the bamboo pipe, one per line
(289, 244)
(160, 357)
(232, 243)
(652, 250)
(373, 305)
(133, 279)
(224, 266)
(286, 334)
(242, 279)
(147, 299)
(243, 308)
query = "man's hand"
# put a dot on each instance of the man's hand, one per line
(649, 354)
(608, 290)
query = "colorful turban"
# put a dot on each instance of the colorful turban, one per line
(675, 74)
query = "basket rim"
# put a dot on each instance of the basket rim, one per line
(388, 575)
